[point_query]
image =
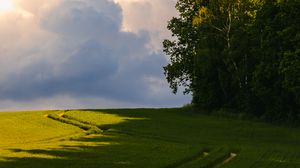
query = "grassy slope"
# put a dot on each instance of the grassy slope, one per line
(30, 130)
(143, 138)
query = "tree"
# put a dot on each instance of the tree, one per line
(277, 75)
(238, 54)
(204, 58)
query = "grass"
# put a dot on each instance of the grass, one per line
(142, 138)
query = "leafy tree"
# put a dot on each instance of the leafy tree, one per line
(238, 54)
(276, 77)
(204, 58)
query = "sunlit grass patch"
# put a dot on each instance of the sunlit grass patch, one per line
(43, 149)
(29, 127)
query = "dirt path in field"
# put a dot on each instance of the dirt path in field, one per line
(230, 158)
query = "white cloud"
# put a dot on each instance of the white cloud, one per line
(148, 15)
(77, 49)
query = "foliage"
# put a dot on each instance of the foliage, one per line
(276, 75)
(239, 54)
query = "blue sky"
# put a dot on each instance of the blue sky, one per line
(84, 54)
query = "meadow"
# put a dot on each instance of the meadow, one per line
(164, 138)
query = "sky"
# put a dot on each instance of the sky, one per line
(67, 54)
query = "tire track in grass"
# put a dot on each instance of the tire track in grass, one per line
(219, 158)
(101, 127)
(206, 159)
(90, 129)
(230, 158)
(200, 155)
(107, 128)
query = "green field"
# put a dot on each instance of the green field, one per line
(142, 138)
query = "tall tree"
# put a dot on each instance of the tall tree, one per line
(204, 57)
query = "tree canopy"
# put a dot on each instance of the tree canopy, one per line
(237, 54)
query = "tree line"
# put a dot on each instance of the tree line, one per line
(242, 55)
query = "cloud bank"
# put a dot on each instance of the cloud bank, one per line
(84, 54)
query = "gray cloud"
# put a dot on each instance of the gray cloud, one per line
(79, 51)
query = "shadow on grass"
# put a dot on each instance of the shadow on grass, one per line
(109, 149)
